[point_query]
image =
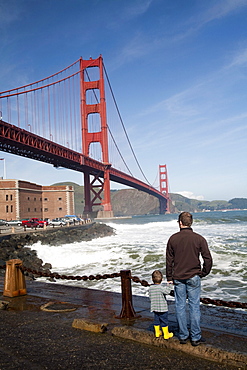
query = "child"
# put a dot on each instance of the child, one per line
(159, 306)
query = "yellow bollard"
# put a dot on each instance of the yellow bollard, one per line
(14, 282)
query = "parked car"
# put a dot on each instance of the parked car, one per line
(34, 219)
(58, 222)
(45, 222)
(15, 222)
(40, 221)
(73, 218)
(4, 223)
(33, 224)
(68, 220)
(24, 221)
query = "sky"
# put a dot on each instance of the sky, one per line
(178, 69)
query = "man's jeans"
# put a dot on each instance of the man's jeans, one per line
(191, 289)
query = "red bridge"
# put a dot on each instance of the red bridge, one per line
(61, 120)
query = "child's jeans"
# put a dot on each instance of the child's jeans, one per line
(161, 319)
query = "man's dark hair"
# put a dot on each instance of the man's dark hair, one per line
(157, 276)
(186, 219)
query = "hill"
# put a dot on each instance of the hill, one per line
(128, 202)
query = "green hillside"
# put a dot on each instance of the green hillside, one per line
(127, 202)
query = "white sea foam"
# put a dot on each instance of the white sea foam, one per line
(139, 245)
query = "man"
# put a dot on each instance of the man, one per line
(183, 268)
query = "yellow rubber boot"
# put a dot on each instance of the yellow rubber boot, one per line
(157, 331)
(166, 333)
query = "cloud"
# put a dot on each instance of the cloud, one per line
(129, 11)
(9, 12)
(190, 195)
(239, 59)
(222, 9)
(181, 104)
(134, 49)
(208, 94)
(137, 8)
(142, 44)
(138, 46)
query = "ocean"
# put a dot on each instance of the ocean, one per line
(139, 245)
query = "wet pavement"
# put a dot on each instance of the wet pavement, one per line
(36, 338)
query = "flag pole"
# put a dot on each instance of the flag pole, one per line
(4, 168)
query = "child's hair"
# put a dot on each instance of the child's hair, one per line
(157, 276)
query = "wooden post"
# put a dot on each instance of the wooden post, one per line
(127, 311)
(14, 283)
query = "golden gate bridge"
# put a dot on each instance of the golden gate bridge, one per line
(62, 120)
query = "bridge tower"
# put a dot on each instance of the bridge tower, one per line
(164, 189)
(93, 188)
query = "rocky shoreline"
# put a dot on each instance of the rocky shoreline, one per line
(18, 245)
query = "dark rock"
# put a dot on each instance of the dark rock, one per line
(16, 246)
(4, 305)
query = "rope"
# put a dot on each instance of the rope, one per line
(44, 307)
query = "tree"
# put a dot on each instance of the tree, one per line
(239, 203)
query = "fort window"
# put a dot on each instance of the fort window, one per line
(7, 209)
(7, 197)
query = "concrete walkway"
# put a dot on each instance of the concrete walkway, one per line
(37, 339)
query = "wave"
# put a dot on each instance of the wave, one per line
(220, 217)
(140, 244)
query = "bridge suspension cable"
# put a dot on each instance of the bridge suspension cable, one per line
(49, 108)
(132, 150)
(50, 119)
(114, 141)
(156, 177)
